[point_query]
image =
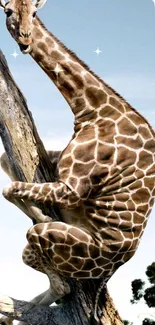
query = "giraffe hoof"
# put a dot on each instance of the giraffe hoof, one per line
(6, 193)
(10, 190)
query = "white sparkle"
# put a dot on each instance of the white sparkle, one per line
(14, 54)
(98, 50)
(68, 58)
(57, 69)
(107, 204)
(83, 72)
(153, 2)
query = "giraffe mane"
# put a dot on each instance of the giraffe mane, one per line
(113, 91)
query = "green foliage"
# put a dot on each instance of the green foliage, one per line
(137, 290)
(148, 321)
(149, 296)
(150, 272)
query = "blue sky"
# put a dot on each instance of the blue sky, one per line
(125, 33)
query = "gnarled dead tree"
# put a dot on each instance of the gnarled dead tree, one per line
(31, 163)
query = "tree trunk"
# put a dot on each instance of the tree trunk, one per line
(30, 163)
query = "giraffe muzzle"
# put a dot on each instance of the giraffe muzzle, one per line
(24, 41)
(25, 48)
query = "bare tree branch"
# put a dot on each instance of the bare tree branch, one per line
(31, 163)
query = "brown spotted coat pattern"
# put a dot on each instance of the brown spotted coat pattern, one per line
(105, 176)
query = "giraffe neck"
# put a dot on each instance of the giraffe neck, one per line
(70, 75)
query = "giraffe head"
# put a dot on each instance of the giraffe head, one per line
(20, 16)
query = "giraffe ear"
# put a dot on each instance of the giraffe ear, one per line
(2, 4)
(39, 3)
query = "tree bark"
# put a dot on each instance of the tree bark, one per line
(31, 163)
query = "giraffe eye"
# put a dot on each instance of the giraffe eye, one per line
(8, 12)
(34, 14)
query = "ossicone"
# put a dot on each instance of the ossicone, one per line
(2, 4)
(39, 3)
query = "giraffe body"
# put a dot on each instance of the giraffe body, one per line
(105, 177)
(106, 183)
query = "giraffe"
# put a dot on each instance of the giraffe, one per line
(105, 177)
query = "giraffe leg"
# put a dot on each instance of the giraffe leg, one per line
(58, 249)
(57, 287)
(32, 212)
(28, 207)
(7, 168)
(61, 250)
(68, 250)
(40, 262)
